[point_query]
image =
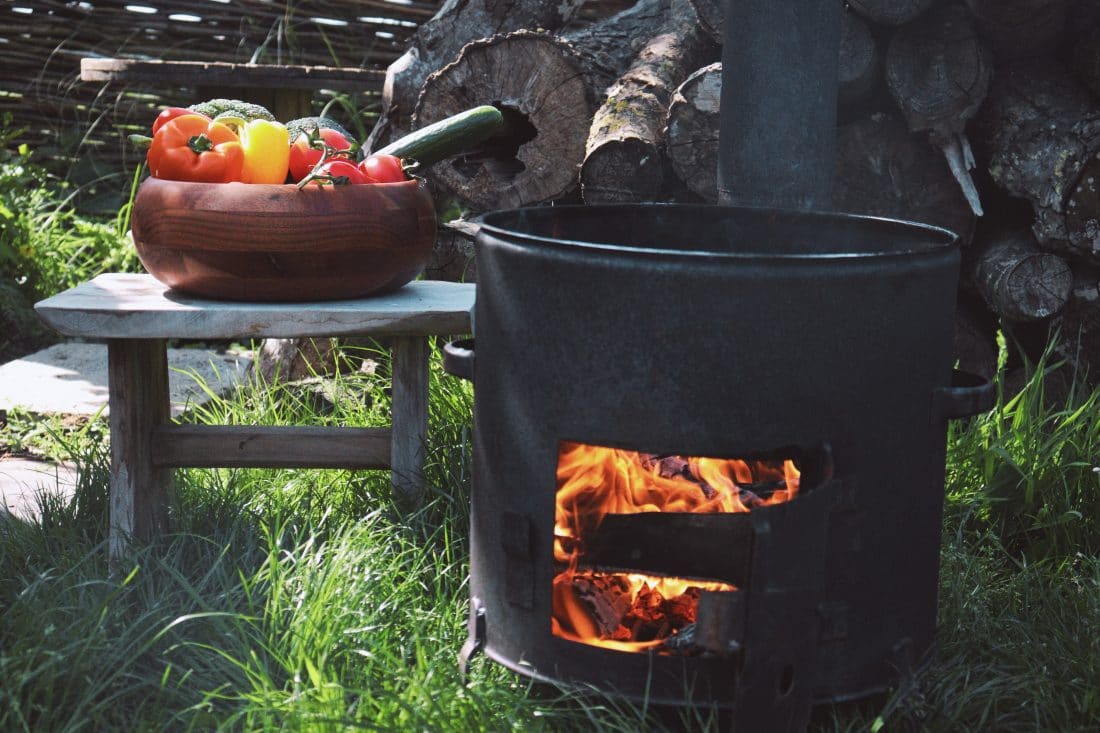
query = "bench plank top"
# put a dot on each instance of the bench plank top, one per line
(220, 73)
(117, 305)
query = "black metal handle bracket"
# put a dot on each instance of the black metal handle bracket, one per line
(969, 394)
(458, 358)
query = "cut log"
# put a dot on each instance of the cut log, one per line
(546, 87)
(1018, 281)
(295, 359)
(1078, 326)
(691, 134)
(1039, 134)
(975, 343)
(710, 13)
(860, 64)
(623, 153)
(884, 170)
(1084, 58)
(692, 131)
(609, 46)
(438, 41)
(453, 256)
(1019, 27)
(890, 12)
(938, 72)
(536, 81)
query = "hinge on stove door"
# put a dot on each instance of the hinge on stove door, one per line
(785, 593)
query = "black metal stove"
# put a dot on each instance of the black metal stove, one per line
(732, 333)
(812, 350)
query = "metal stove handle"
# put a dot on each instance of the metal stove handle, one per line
(458, 358)
(969, 394)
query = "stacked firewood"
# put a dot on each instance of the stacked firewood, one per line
(981, 116)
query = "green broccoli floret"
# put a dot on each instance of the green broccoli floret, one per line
(245, 110)
(305, 124)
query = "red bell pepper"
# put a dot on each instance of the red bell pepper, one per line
(195, 148)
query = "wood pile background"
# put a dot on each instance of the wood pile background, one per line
(982, 116)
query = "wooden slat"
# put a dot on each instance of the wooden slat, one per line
(137, 306)
(207, 73)
(234, 446)
(137, 377)
(410, 418)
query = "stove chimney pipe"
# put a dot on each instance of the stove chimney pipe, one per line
(778, 105)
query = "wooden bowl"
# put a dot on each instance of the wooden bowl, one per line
(237, 241)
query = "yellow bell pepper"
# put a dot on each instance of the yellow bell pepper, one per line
(266, 149)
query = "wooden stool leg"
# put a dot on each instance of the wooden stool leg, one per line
(139, 402)
(410, 418)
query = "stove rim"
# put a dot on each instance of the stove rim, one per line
(938, 239)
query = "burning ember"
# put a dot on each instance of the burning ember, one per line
(631, 611)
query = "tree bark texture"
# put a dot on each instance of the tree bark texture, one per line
(860, 66)
(884, 170)
(1084, 59)
(692, 131)
(890, 12)
(1078, 326)
(437, 42)
(692, 122)
(623, 158)
(1018, 281)
(1039, 132)
(938, 72)
(1019, 27)
(710, 14)
(975, 346)
(547, 87)
(860, 60)
(537, 80)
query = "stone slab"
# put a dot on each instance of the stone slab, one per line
(71, 378)
(23, 481)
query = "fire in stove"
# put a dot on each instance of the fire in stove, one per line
(599, 540)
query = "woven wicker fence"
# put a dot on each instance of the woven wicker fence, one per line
(82, 126)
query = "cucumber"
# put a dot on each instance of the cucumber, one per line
(447, 137)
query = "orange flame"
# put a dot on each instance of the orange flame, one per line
(594, 481)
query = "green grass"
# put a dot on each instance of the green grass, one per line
(305, 601)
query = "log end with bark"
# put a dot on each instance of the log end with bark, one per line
(1019, 27)
(692, 131)
(884, 170)
(1039, 134)
(538, 82)
(624, 148)
(938, 72)
(1018, 281)
(890, 12)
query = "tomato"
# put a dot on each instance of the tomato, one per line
(194, 148)
(337, 172)
(307, 149)
(383, 169)
(171, 113)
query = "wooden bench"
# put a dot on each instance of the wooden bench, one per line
(285, 89)
(136, 315)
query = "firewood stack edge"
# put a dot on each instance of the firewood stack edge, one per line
(981, 116)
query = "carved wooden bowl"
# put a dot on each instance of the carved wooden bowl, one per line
(237, 241)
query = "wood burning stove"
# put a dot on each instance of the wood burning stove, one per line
(793, 370)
